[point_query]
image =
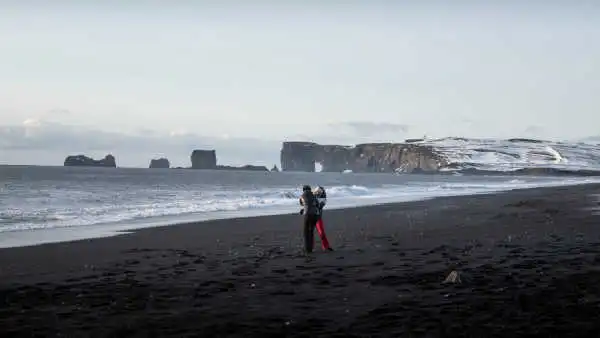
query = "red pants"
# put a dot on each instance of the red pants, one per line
(321, 230)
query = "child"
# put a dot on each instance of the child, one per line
(321, 197)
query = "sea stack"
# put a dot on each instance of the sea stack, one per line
(84, 161)
(160, 163)
(204, 159)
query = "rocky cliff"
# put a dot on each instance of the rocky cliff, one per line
(299, 156)
(369, 157)
(204, 159)
(84, 161)
(161, 163)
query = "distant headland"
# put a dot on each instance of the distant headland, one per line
(451, 155)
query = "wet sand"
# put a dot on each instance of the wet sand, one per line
(528, 263)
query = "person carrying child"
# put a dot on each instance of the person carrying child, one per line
(310, 212)
(321, 196)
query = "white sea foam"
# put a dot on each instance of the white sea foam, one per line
(70, 208)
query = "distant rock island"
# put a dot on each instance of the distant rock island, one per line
(207, 159)
(160, 163)
(84, 161)
(201, 159)
(204, 159)
(247, 167)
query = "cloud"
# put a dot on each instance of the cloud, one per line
(533, 130)
(131, 149)
(374, 128)
(354, 132)
(58, 112)
(46, 142)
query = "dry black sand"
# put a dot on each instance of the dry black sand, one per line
(529, 263)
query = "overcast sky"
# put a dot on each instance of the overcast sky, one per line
(161, 79)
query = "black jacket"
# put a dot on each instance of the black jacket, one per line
(310, 204)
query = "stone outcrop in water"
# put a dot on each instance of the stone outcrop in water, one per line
(369, 157)
(275, 168)
(204, 159)
(248, 167)
(160, 163)
(84, 161)
(207, 159)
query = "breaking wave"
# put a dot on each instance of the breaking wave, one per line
(74, 207)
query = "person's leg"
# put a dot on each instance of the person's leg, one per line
(311, 232)
(322, 235)
(308, 234)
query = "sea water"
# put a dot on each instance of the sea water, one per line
(48, 204)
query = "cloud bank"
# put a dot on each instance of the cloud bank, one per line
(44, 141)
(47, 143)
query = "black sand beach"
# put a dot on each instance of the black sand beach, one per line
(528, 260)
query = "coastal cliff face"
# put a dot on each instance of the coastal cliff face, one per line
(204, 159)
(369, 157)
(84, 161)
(298, 156)
(161, 163)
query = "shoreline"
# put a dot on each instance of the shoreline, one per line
(25, 238)
(520, 254)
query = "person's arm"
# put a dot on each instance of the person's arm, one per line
(301, 201)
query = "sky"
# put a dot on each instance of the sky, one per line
(144, 79)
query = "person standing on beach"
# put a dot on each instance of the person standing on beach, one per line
(310, 211)
(321, 196)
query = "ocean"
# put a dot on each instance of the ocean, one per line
(50, 204)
